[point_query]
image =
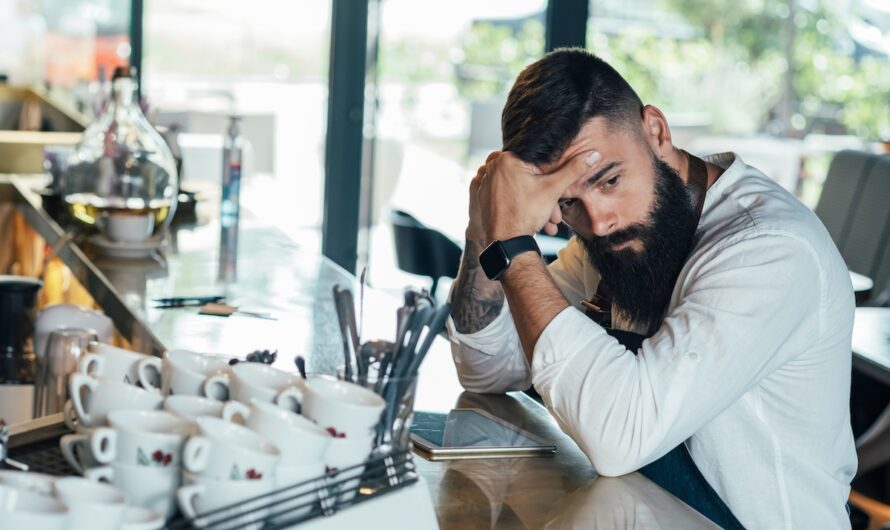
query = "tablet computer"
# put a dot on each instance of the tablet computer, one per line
(473, 433)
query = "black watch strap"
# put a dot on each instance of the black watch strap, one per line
(497, 256)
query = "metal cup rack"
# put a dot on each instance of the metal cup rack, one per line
(323, 496)
(298, 504)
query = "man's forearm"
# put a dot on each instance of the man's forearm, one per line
(475, 301)
(535, 300)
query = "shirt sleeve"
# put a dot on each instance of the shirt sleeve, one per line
(744, 310)
(491, 360)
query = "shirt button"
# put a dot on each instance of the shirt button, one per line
(692, 356)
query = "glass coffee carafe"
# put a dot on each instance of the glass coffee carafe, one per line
(121, 177)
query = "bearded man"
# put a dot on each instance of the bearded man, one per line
(746, 303)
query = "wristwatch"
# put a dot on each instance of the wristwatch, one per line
(497, 256)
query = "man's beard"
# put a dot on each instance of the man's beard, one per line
(640, 283)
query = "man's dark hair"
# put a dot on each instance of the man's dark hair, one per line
(554, 97)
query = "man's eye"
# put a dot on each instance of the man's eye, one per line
(566, 203)
(612, 182)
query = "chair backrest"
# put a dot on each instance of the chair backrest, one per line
(423, 250)
(841, 192)
(866, 236)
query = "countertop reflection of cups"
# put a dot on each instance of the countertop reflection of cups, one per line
(149, 487)
(187, 373)
(26, 509)
(55, 316)
(151, 438)
(229, 500)
(226, 451)
(346, 408)
(299, 439)
(131, 227)
(104, 396)
(247, 381)
(191, 407)
(110, 362)
(91, 505)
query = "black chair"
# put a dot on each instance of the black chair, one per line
(422, 250)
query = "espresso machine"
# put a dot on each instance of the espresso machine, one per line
(18, 309)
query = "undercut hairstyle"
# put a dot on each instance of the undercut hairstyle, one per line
(554, 97)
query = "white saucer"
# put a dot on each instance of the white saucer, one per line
(126, 249)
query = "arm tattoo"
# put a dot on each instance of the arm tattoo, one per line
(476, 301)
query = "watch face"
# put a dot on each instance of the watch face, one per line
(494, 260)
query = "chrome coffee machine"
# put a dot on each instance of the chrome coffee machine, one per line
(18, 308)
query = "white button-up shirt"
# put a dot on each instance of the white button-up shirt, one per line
(750, 369)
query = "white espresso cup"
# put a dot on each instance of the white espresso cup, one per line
(149, 437)
(248, 380)
(149, 487)
(226, 451)
(106, 395)
(129, 227)
(123, 365)
(139, 518)
(230, 497)
(89, 448)
(21, 508)
(34, 482)
(300, 440)
(345, 409)
(185, 373)
(91, 505)
(296, 489)
(344, 460)
(191, 407)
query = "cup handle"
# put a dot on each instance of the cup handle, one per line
(290, 398)
(92, 364)
(99, 474)
(235, 408)
(69, 416)
(216, 386)
(103, 444)
(186, 496)
(67, 445)
(149, 371)
(195, 454)
(77, 382)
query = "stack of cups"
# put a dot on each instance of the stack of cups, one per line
(91, 401)
(349, 413)
(146, 456)
(303, 445)
(227, 464)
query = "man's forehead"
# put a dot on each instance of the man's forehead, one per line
(597, 134)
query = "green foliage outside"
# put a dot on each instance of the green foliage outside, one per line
(728, 76)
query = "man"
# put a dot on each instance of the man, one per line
(747, 303)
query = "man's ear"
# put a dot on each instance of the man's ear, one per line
(656, 131)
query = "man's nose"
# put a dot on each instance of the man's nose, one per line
(602, 221)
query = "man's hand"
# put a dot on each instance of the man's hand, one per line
(515, 198)
(475, 231)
